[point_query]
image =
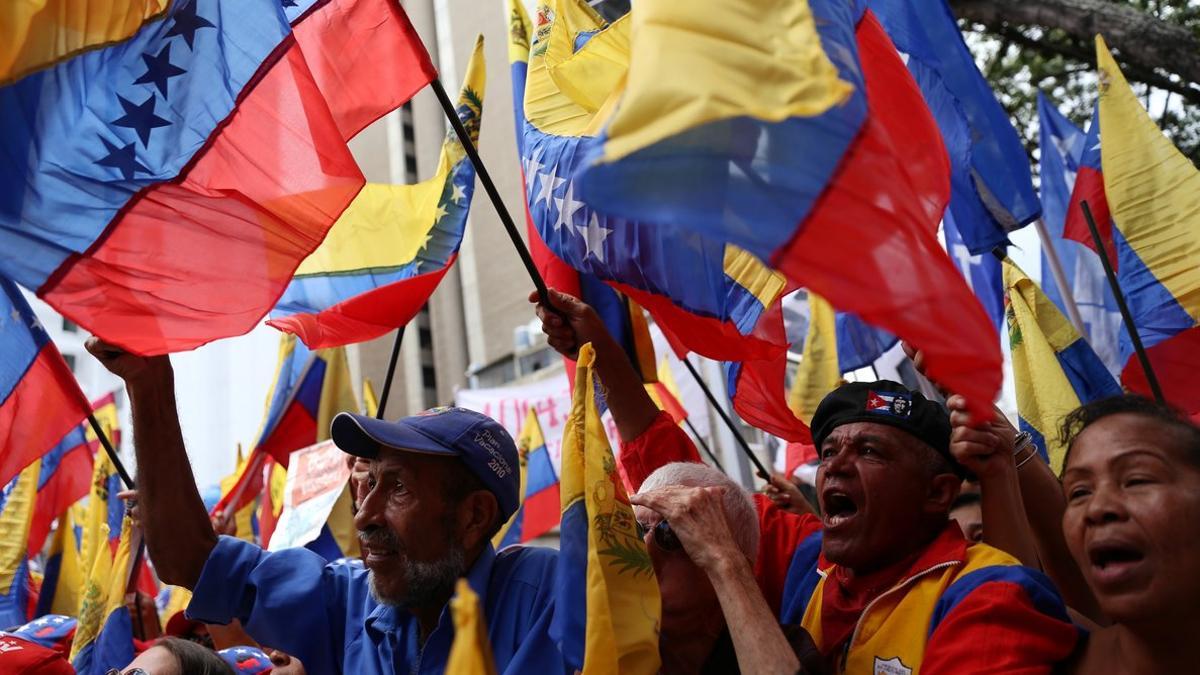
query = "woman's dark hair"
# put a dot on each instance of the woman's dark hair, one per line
(194, 659)
(1169, 419)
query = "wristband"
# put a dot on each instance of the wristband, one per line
(1021, 441)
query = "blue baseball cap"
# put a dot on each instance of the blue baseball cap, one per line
(478, 440)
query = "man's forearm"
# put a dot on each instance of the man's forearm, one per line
(632, 408)
(179, 535)
(760, 644)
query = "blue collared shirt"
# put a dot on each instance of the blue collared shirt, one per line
(324, 614)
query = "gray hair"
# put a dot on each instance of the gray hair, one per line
(739, 509)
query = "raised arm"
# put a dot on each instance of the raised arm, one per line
(986, 449)
(179, 535)
(632, 408)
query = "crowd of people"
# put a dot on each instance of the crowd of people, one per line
(937, 543)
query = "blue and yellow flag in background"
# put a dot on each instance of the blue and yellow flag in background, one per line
(387, 253)
(540, 505)
(607, 606)
(64, 575)
(104, 636)
(1153, 194)
(104, 514)
(16, 511)
(1055, 369)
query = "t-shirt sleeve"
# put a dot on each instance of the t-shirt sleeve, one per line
(660, 444)
(1004, 619)
(780, 533)
(284, 599)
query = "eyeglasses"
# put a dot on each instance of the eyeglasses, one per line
(117, 671)
(664, 537)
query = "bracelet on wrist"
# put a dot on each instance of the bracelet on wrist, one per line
(1021, 441)
(1026, 458)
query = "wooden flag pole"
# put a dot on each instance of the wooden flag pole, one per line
(1060, 279)
(1126, 316)
(758, 465)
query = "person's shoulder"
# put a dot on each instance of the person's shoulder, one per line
(771, 516)
(533, 565)
(988, 571)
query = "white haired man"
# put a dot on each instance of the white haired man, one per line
(701, 530)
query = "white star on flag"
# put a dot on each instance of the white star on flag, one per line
(533, 166)
(567, 206)
(439, 214)
(593, 237)
(459, 193)
(16, 315)
(549, 183)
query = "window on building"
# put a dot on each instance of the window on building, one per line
(69, 326)
(70, 359)
(428, 377)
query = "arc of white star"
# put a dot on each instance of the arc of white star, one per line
(458, 193)
(16, 315)
(533, 165)
(439, 214)
(567, 207)
(549, 183)
(593, 236)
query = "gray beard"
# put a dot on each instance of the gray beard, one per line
(425, 582)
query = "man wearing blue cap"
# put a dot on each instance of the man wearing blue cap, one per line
(440, 485)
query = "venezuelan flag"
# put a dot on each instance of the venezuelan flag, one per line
(607, 609)
(64, 573)
(16, 510)
(167, 186)
(39, 399)
(105, 511)
(390, 249)
(767, 125)
(665, 393)
(104, 636)
(35, 35)
(471, 652)
(1062, 164)
(1055, 369)
(708, 297)
(245, 518)
(991, 189)
(540, 503)
(1153, 195)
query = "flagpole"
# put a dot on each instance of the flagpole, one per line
(110, 451)
(716, 462)
(391, 371)
(494, 195)
(1126, 316)
(1060, 278)
(762, 470)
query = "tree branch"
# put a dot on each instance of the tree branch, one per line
(1146, 44)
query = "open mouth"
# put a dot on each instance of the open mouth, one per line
(839, 508)
(1113, 562)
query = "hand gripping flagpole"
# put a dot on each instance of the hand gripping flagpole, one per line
(1126, 316)
(758, 465)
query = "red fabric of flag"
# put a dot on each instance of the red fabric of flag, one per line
(207, 255)
(869, 245)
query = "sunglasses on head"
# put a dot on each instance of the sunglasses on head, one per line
(664, 537)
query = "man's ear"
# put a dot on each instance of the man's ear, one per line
(943, 490)
(477, 516)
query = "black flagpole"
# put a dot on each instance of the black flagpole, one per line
(762, 470)
(1126, 316)
(391, 371)
(110, 451)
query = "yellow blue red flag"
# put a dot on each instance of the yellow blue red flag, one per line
(64, 575)
(16, 510)
(1055, 369)
(1153, 195)
(767, 125)
(104, 635)
(390, 249)
(707, 296)
(607, 606)
(540, 503)
(170, 206)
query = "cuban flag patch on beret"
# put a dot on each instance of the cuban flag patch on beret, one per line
(889, 403)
